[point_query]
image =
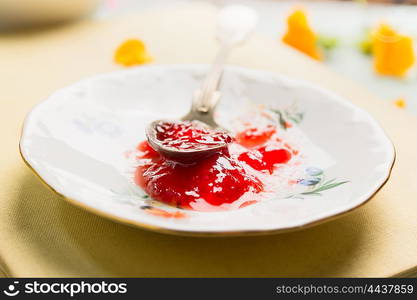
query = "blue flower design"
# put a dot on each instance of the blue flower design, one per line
(312, 171)
(309, 182)
(316, 183)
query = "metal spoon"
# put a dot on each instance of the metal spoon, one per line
(234, 25)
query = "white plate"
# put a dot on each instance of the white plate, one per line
(78, 139)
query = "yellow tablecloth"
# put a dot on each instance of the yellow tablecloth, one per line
(42, 235)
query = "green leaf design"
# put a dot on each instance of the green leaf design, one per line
(311, 193)
(316, 191)
(325, 186)
(281, 119)
(329, 181)
(285, 115)
(296, 118)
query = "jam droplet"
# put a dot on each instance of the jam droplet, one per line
(265, 159)
(146, 151)
(253, 136)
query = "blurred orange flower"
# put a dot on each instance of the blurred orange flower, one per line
(300, 35)
(400, 103)
(393, 52)
(132, 52)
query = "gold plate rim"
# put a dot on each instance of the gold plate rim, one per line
(236, 233)
(158, 229)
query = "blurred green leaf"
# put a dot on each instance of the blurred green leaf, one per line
(327, 43)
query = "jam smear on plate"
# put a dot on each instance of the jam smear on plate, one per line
(265, 159)
(217, 179)
(254, 136)
(222, 178)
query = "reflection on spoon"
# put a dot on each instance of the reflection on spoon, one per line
(186, 141)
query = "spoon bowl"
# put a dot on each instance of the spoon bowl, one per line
(184, 154)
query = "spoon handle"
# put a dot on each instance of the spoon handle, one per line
(235, 23)
(206, 100)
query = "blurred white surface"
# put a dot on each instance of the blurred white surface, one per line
(345, 20)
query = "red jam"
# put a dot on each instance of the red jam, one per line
(189, 135)
(217, 179)
(264, 158)
(253, 136)
(224, 177)
(146, 150)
